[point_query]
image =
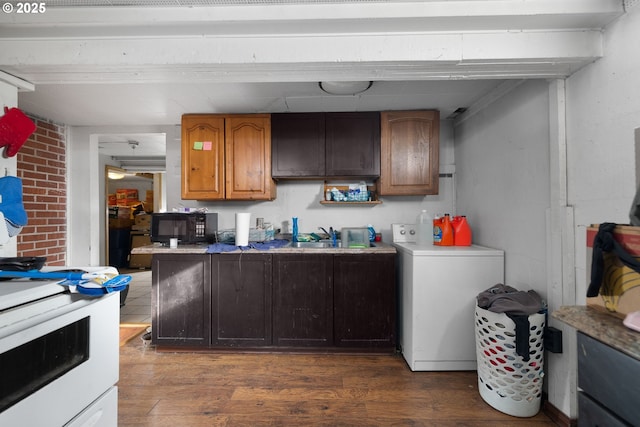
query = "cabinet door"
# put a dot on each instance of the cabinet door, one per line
(592, 414)
(181, 299)
(297, 145)
(353, 144)
(302, 300)
(603, 375)
(248, 157)
(365, 301)
(410, 143)
(202, 157)
(241, 300)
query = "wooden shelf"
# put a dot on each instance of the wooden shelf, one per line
(327, 202)
(371, 188)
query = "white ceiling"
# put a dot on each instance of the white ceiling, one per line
(147, 63)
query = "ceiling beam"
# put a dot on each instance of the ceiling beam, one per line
(502, 54)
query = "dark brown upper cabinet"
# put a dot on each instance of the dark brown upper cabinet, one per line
(325, 145)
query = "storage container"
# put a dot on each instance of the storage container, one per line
(355, 237)
(506, 380)
(620, 288)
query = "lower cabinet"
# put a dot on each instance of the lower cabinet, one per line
(364, 297)
(609, 389)
(241, 300)
(180, 299)
(275, 301)
(303, 300)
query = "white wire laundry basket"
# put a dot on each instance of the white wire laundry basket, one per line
(506, 380)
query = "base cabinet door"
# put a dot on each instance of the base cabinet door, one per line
(241, 300)
(181, 291)
(607, 395)
(365, 301)
(303, 300)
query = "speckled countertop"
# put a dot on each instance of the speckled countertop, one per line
(602, 326)
(379, 248)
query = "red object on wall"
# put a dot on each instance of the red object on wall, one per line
(15, 129)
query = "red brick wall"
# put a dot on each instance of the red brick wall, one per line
(42, 167)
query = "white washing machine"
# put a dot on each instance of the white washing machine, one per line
(438, 289)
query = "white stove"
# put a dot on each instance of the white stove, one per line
(17, 292)
(59, 355)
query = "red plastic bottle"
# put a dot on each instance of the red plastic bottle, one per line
(447, 231)
(461, 231)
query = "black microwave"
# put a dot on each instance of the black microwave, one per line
(188, 228)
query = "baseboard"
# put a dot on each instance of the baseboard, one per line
(557, 416)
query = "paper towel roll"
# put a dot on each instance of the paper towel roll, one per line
(242, 228)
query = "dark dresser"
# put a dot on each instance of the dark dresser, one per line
(608, 367)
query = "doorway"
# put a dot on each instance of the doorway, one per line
(134, 187)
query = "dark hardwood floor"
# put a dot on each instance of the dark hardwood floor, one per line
(273, 389)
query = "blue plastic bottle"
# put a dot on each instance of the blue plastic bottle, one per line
(294, 236)
(372, 233)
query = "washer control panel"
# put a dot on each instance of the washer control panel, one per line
(403, 233)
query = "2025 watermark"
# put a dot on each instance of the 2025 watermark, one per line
(24, 7)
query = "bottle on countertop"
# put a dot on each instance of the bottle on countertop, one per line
(461, 231)
(447, 231)
(424, 229)
(437, 230)
(372, 233)
(294, 233)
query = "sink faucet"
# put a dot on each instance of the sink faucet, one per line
(332, 235)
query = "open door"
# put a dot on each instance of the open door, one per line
(127, 194)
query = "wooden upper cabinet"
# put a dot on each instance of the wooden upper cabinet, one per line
(248, 157)
(353, 144)
(410, 143)
(298, 145)
(202, 157)
(226, 157)
(326, 145)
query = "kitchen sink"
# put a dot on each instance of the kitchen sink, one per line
(319, 244)
(314, 244)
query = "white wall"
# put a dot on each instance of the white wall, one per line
(603, 110)
(8, 98)
(502, 158)
(503, 155)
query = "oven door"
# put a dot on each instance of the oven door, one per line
(57, 356)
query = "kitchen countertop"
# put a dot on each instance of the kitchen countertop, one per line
(602, 326)
(156, 248)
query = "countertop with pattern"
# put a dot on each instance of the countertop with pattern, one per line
(602, 326)
(156, 248)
